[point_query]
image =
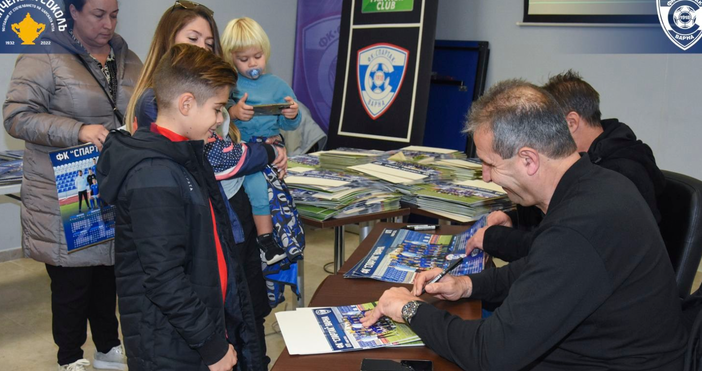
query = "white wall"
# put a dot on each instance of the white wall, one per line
(137, 22)
(656, 94)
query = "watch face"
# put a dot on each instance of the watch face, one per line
(409, 310)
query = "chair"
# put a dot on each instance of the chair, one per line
(680, 205)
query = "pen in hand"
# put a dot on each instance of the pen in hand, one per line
(441, 275)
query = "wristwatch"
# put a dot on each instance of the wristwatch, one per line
(410, 309)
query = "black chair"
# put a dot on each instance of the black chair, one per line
(680, 205)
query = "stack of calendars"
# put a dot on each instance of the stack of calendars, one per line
(339, 329)
(303, 161)
(466, 169)
(342, 158)
(462, 201)
(321, 194)
(11, 167)
(426, 155)
(400, 254)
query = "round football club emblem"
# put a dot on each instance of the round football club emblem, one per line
(681, 20)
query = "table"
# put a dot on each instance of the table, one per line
(443, 220)
(365, 247)
(336, 290)
(339, 226)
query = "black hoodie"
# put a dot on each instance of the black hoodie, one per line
(618, 149)
(170, 299)
(615, 149)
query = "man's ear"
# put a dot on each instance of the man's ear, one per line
(573, 120)
(186, 103)
(529, 158)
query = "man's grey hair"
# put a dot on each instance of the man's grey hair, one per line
(520, 114)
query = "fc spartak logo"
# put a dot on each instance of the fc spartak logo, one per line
(381, 71)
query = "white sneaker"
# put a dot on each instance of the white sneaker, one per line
(79, 365)
(112, 360)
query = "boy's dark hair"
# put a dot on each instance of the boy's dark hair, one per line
(576, 95)
(187, 68)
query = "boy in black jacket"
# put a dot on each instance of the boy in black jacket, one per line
(173, 238)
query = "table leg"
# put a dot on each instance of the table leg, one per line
(301, 282)
(364, 230)
(338, 247)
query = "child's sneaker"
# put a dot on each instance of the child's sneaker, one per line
(112, 360)
(271, 253)
(79, 365)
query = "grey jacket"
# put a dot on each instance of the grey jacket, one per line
(302, 139)
(49, 98)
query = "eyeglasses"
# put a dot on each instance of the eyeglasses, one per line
(191, 5)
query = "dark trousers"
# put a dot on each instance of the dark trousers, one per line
(79, 295)
(81, 196)
(250, 259)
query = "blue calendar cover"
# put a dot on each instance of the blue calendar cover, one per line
(399, 254)
(87, 219)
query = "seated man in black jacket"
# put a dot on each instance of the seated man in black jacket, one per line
(596, 291)
(609, 143)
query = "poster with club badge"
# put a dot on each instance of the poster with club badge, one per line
(383, 73)
(86, 219)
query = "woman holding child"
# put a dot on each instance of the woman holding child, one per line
(70, 95)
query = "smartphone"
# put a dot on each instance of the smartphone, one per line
(270, 109)
(396, 365)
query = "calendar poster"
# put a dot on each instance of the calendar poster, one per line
(86, 219)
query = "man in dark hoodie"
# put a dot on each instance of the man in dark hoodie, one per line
(175, 274)
(609, 143)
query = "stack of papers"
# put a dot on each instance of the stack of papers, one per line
(402, 173)
(463, 169)
(400, 254)
(468, 199)
(339, 329)
(11, 167)
(341, 158)
(428, 154)
(303, 161)
(321, 194)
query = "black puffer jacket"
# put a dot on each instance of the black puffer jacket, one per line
(170, 298)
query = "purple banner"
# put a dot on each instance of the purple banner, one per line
(316, 48)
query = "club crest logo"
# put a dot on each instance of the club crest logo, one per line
(381, 71)
(681, 21)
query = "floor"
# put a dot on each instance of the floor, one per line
(25, 308)
(26, 342)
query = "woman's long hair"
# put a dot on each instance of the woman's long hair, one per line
(172, 21)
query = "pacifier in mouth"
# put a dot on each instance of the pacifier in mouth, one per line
(254, 73)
